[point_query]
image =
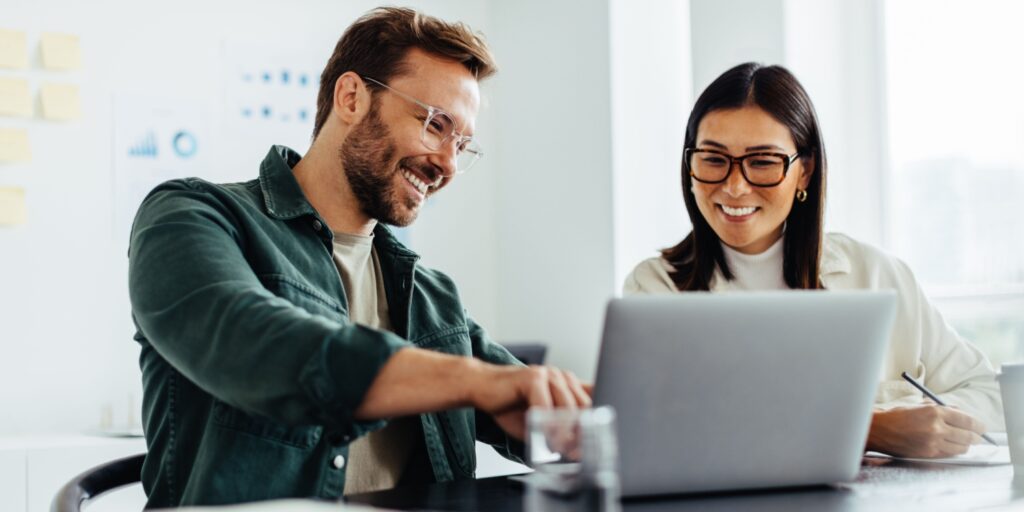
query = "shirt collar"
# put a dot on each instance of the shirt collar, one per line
(285, 200)
(833, 261)
(282, 194)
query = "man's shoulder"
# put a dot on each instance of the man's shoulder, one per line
(187, 192)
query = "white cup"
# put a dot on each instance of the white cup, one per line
(1011, 385)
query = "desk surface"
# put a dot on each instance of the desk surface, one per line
(881, 485)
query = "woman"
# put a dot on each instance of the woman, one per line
(754, 186)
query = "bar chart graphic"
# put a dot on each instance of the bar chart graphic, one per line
(144, 147)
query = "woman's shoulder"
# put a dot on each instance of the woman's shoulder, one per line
(649, 276)
(843, 254)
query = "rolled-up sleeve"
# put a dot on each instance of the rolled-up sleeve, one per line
(956, 370)
(197, 301)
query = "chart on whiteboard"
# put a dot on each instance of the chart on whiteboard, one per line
(155, 140)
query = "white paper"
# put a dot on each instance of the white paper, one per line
(977, 455)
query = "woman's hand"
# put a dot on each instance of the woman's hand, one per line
(923, 431)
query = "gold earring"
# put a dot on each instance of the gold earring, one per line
(801, 195)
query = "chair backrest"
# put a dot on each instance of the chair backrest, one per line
(96, 481)
(528, 352)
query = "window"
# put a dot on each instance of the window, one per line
(956, 140)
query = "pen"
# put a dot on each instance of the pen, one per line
(928, 393)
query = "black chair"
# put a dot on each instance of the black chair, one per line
(96, 481)
(529, 352)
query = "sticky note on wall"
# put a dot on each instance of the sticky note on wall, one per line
(12, 206)
(60, 51)
(60, 102)
(15, 99)
(14, 145)
(13, 49)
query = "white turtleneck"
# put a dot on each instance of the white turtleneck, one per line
(755, 271)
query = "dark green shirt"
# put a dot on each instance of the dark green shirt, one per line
(251, 367)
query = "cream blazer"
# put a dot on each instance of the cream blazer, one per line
(922, 343)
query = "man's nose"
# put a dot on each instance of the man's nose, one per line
(446, 158)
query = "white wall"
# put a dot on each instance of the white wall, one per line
(725, 33)
(651, 100)
(554, 164)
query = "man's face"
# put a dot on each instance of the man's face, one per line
(389, 169)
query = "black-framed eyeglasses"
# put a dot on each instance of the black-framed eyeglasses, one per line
(439, 128)
(761, 169)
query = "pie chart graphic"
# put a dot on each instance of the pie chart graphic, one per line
(184, 144)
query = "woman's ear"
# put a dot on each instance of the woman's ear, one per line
(808, 165)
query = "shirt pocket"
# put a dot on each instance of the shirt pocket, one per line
(449, 340)
(302, 295)
(228, 417)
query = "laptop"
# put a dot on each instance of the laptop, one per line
(742, 390)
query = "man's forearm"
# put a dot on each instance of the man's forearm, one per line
(416, 381)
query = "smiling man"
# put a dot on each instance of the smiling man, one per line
(291, 346)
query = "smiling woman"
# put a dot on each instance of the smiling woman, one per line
(753, 180)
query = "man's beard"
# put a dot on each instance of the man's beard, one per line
(366, 156)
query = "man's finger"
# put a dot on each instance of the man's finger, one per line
(560, 392)
(582, 397)
(539, 392)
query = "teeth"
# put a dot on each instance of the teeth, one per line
(738, 212)
(418, 183)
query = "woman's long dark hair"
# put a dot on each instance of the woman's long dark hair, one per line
(776, 91)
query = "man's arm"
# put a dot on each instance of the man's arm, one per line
(416, 381)
(198, 302)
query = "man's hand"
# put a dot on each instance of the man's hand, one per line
(925, 431)
(507, 392)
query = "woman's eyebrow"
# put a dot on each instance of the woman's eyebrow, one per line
(765, 146)
(712, 143)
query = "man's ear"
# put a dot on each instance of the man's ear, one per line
(351, 98)
(809, 165)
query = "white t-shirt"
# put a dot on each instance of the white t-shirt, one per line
(755, 271)
(377, 460)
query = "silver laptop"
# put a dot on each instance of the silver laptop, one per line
(742, 390)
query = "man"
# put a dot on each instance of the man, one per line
(281, 323)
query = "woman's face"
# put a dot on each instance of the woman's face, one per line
(727, 205)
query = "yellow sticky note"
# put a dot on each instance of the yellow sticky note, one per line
(12, 206)
(15, 99)
(14, 145)
(60, 51)
(60, 102)
(13, 49)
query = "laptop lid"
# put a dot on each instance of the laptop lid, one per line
(742, 390)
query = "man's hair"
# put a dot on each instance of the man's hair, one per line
(376, 44)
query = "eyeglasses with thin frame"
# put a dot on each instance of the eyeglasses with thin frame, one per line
(439, 128)
(760, 169)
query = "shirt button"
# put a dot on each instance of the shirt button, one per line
(317, 225)
(339, 462)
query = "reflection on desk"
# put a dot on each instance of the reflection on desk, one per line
(881, 485)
